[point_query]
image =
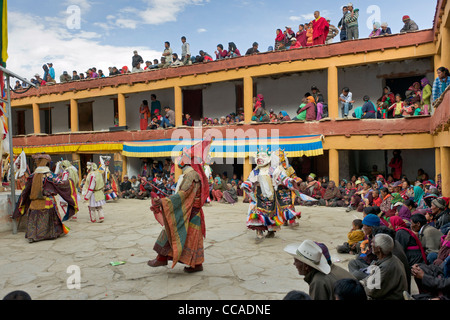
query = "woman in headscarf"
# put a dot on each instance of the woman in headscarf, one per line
(387, 100)
(413, 94)
(409, 241)
(376, 30)
(260, 114)
(368, 109)
(283, 116)
(230, 195)
(217, 190)
(427, 91)
(331, 196)
(418, 197)
(280, 40)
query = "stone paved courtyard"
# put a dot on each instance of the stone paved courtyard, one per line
(235, 268)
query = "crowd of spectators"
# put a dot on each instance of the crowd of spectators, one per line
(319, 31)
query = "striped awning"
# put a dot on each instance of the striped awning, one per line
(294, 146)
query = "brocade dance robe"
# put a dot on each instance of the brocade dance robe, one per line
(40, 205)
(184, 223)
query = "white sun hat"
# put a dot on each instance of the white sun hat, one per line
(310, 253)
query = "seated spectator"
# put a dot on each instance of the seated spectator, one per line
(295, 44)
(144, 189)
(115, 71)
(369, 111)
(17, 86)
(358, 266)
(233, 51)
(220, 53)
(188, 120)
(259, 112)
(441, 212)
(376, 30)
(349, 289)
(176, 61)
(385, 30)
(409, 25)
(155, 123)
(429, 236)
(313, 262)
(346, 99)
(75, 75)
(217, 190)
(82, 77)
(101, 74)
(440, 83)
(388, 270)
(283, 116)
(413, 94)
(65, 77)
(409, 241)
(253, 49)
(332, 196)
(109, 192)
(354, 237)
(50, 81)
(169, 119)
(297, 295)
(124, 187)
(230, 195)
(205, 57)
(310, 108)
(137, 68)
(148, 64)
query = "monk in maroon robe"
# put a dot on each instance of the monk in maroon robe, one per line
(320, 29)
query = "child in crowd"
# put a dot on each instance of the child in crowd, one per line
(355, 235)
(417, 109)
(397, 107)
(188, 120)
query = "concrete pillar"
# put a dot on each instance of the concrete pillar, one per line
(124, 166)
(178, 92)
(74, 124)
(248, 99)
(437, 161)
(247, 168)
(445, 47)
(333, 93)
(122, 110)
(36, 119)
(445, 171)
(333, 158)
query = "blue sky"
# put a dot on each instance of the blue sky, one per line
(109, 31)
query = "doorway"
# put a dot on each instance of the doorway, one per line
(193, 103)
(85, 118)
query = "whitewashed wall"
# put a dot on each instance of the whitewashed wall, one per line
(219, 99)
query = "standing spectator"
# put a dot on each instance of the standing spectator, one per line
(342, 26)
(220, 53)
(385, 30)
(75, 75)
(136, 59)
(309, 34)
(351, 22)
(51, 70)
(301, 35)
(396, 164)
(409, 25)
(320, 29)
(332, 33)
(280, 40)
(253, 49)
(45, 68)
(316, 267)
(441, 83)
(169, 119)
(288, 34)
(94, 74)
(155, 104)
(65, 77)
(185, 52)
(167, 53)
(144, 114)
(389, 271)
(346, 99)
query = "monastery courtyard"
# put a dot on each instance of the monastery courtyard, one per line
(235, 268)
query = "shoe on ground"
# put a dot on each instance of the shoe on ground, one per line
(156, 263)
(192, 270)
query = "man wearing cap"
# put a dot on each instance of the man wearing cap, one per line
(65, 77)
(441, 212)
(319, 272)
(38, 203)
(358, 266)
(253, 49)
(321, 28)
(409, 25)
(351, 22)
